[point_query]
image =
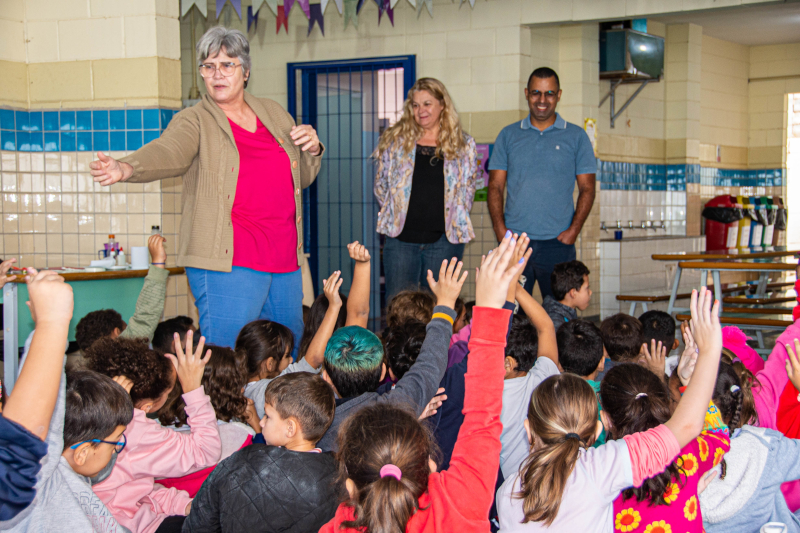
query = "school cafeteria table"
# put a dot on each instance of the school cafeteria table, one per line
(117, 290)
(755, 252)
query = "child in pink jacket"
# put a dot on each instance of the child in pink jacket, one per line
(130, 492)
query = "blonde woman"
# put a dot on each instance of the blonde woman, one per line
(427, 167)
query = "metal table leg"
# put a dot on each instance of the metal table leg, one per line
(763, 281)
(10, 336)
(717, 289)
(673, 295)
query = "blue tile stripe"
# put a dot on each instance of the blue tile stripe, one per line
(643, 177)
(83, 131)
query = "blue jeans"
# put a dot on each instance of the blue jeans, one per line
(406, 264)
(546, 255)
(229, 300)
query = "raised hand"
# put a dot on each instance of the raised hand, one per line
(123, 382)
(448, 286)
(654, 358)
(520, 250)
(5, 266)
(158, 255)
(793, 363)
(494, 276)
(434, 405)
(50, 297)
(306, 136)
(358, 252)
(705, 327)
(106, 170)
(331, 289)
(688, 357)
(189, 365)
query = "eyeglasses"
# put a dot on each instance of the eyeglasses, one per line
(547, 94)
(227, 69)
(118, 446)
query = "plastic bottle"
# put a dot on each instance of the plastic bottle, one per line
(155, 230)
(121, 258)
(112, 244)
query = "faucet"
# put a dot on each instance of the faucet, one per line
(647, 225)
(619, 224)
(630, 224)
(659, 225)
(603, 227)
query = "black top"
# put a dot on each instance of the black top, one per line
(425, 217)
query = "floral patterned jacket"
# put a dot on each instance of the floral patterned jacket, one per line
(393, 191)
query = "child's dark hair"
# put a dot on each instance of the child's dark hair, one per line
(96, 325)
(410, 304)
(354, 361)
(567, 276)
(580, 347)
(224, 379)
(315, 316)
(733, 397)
(261, 340)
(468, 311)
(402, 344)
(658, 326)
(622, 337)
(459, 307)
(636, 400)
(166, 330)
(375, 436)
(748, 382)
(150, 372)
(523, 343)
(306, 397)
(95, 407)
(562, 415)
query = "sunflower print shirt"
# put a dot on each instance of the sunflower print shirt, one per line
(682, 512)
(393, 190)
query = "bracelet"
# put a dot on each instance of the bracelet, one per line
(158, 263)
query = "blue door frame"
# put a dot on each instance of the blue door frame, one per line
(306, 74)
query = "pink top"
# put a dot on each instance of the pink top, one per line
(773, 379)
(130, 492)
(263, 213)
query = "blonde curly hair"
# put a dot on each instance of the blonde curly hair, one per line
(450, 143)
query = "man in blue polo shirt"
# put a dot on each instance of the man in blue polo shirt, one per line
(540, 159)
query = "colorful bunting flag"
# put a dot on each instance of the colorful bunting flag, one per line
(281, 20)
(471, 3)
(359, 6)
(394, 3)
(237, 5)
(273, 5)
(420, 3)
(385, 6)
(413, 3)
(316, 16)
(324, 4)
(350, 12)
(287, 6)
(202, 7)
(252, 18)
(304, 5)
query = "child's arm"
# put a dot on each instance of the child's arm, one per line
(773, 377)
(5, 266)
(34, 396)
(150, 305)
(469, 482)
(541, 321)
(315, 354)
(358, 300)
(687, 420)
(421, 381)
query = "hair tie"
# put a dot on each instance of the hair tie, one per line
(391, 470)
(734, 388)
(575, 436)
(641, 395)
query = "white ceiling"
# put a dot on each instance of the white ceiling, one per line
(749, 25)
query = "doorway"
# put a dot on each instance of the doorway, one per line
(349, 103)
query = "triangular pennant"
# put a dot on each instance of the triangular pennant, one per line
(350, 12)
(420, 3)
(287, 6)
(252, 18)
(305, 7)
(202, 7)
(389, 12)
(338, 5)
(413, 3)
(393, 3)
(359, 6)
(273, 5)
(471, 3)
(281, 20)
(316, 16)
(237, 5)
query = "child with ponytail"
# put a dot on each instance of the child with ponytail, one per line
(746, 493)
(565, 484)
(385, 453)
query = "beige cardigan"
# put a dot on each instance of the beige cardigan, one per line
(198, 144)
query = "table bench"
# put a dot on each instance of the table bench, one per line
(759, 325)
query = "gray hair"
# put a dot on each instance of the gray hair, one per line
(233, 41)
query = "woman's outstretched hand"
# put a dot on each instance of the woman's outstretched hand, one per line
(106, 170)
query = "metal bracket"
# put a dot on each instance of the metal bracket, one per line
(611, 93)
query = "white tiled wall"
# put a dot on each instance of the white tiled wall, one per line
(668, 207)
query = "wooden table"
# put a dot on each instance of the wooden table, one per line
(758, 252)
(116, 290)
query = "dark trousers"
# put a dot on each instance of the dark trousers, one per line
(406, 264)
(546, 255)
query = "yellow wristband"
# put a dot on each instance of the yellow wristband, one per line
(445, 316)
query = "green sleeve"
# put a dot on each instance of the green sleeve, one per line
(149, 306)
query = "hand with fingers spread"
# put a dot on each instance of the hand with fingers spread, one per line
(793, 363)
(306, 137)
(494, 275)
(331, 289)
(124, 382)
(705, 327)
(520, 250)
(689, 357)
(5, 266)
(106, 170)
(654, 358)
(189, 365)
(448, 287)
(433, 406)
(358, 252)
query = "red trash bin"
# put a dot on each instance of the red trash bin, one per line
(722, 215)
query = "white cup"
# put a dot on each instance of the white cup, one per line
(140, 258)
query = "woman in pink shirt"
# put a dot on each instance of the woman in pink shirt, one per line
(244, 163)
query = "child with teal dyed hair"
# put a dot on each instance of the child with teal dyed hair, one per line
(354, 364)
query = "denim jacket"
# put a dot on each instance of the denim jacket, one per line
(393, 191)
